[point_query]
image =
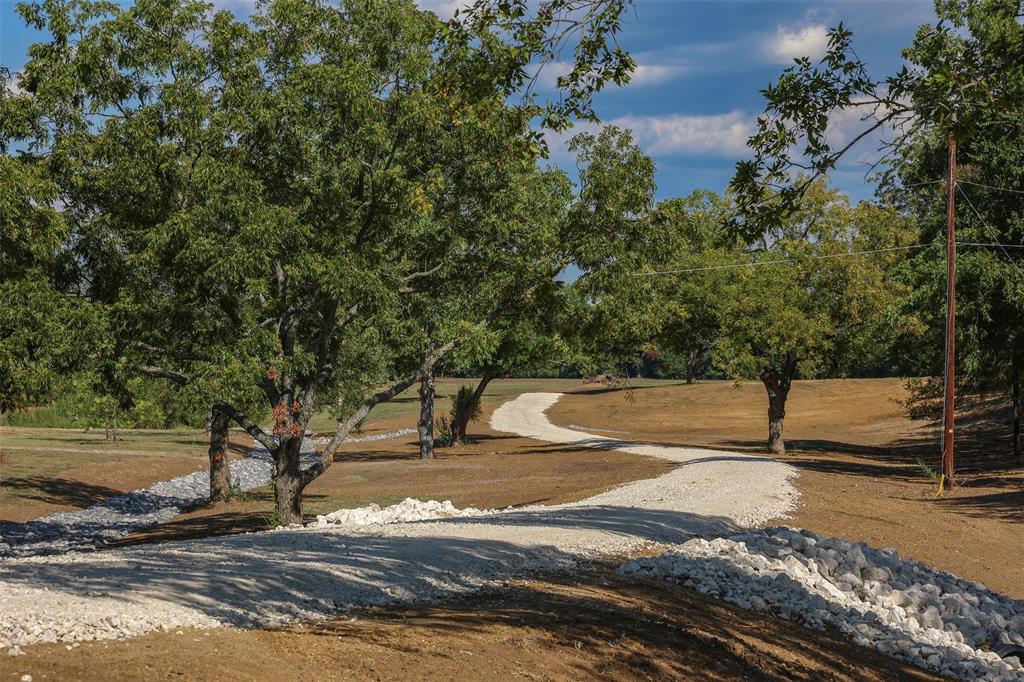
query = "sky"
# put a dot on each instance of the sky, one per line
(696, 93)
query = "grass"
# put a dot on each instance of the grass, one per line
(407, 404)
(37, 464)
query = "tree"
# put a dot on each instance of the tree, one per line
(962, 72)
(521, 344)
(966, 66)
(686, 304)
(46, 326)
(799, 300)
(252, 201)
(990, 299)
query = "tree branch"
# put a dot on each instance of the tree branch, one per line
(161, 373)
(258, 434)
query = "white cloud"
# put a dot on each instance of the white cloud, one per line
(667, 135)
(787, 44)
(13, 87)
(444, 9)
(723, 134)
(655, 74)
(644, 75)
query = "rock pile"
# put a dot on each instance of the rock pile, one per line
(902, 608)
(409, 509)
(84, 529)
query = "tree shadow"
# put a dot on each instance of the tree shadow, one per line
(1007, 506)
(639, 628)
(209, 525)
(58, 491)
(249, 580)
(298, 574)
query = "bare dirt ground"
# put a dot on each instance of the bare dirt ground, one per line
(51, 470)
(860, 479)
(496, 470)
(593, 626)
(863, 464)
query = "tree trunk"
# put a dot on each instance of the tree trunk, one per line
(220, 478)
(460, 421)
(776, 417)
(288, 481)
(778, 384)
(1016, 405)
(426, 423)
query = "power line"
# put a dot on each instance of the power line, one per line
(731, 266)
(999, 244)
(1000, 189)
(989, 227)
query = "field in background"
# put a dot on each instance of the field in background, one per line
(865, 469)
(867, 472)
(407, 404)
(44, 470)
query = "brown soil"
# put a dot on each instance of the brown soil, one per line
(594, 626)
(90, 484)
(861, 464)
(859, 479)
(495, 470)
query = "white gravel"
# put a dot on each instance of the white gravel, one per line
(271, 577)
(85, 529)
(742, 489)
(902, 608)
(407, 510)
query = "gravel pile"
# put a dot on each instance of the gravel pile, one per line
(902, 608)
(85, 529)
(381, 436)
(409, 509)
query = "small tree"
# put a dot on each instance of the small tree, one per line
(809, 304)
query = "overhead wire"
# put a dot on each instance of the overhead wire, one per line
(998, 189)
(790, 260)
(988, 228)
(731, 266)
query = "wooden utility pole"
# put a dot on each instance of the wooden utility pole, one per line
(950, 375)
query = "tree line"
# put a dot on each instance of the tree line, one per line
(326, 204)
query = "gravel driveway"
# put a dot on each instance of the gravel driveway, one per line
(271, 577)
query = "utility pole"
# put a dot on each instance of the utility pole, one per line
(950, 375)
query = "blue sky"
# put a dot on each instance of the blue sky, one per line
(701, 66)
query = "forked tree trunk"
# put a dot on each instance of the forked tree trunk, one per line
(778, 384)
(288, 481)
(460, 421)
(426, 423)
(220, 478)
(1016, 405)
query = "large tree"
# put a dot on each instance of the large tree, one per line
(811, 297)
(253, 202)
(45, 321)
(963, 76)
